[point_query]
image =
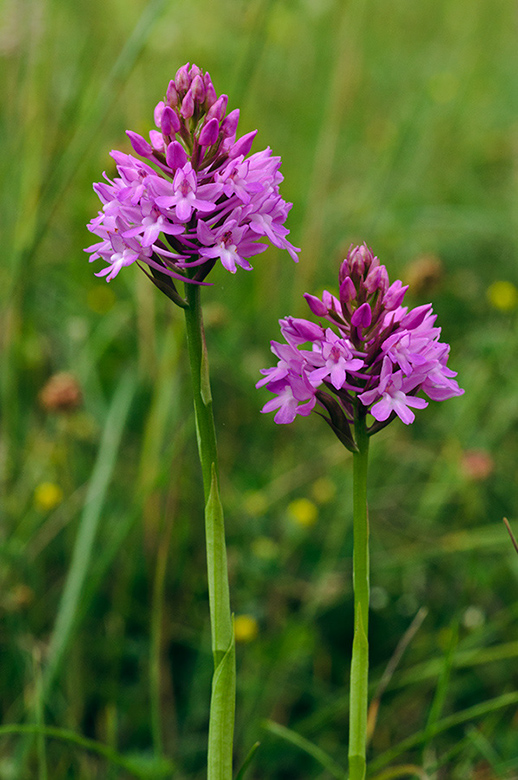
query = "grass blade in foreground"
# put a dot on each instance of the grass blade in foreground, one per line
(308, 747)
(137, 766)
(88, 524)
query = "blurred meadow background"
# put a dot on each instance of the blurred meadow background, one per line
(397, 123)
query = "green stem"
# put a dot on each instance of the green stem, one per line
(221, 722)
(360, 654)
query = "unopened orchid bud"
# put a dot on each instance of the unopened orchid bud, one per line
(377, 279)
(175, 156)
(172, 95)
(157, 140)
(210, 92)
(140, 144)
(394, 295)
(300, 331)
(187, 109)
(182, 78)
(218, 109)
(229, 125)
(243, 145)
(356, 260)
(170, 123)
(316, 305)
(416, 317)
(198, 89)
(159, 110)
(347, 290)
(332, 303)
(209, 133)
(362, 317)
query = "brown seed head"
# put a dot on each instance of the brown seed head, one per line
(61, 393)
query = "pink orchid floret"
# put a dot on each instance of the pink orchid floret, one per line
(199, 197)
(374, 355)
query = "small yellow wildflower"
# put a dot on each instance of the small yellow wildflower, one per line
(303, 512)
(323, 490)
(246, 628)
(503, 295)
(47, 496)
(265, 548)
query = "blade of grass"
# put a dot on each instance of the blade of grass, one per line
(456, 750)
(406, 770)
(66, 619)
(155, 650)
(463, 660)
(248, 760)
(464, 716)
(145, 770)
(513, 540)
(39, 716)
(483, 746)
(252, 57)
(308, 747)
(441, 692)
(391, 668)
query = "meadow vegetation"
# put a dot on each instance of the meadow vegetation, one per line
(396, 122)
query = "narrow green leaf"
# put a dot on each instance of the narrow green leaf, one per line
(483, 746)
(323, 758)
(406, 770)
(221, 725)
(139, 766)
(248, 760)
(441, 690)
(464, 716)
(88, 524)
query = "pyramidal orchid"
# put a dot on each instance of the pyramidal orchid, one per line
(368, 353)
(189, 197)
(197, 197)
(368, 357)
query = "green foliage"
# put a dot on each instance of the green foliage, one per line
(396, 123)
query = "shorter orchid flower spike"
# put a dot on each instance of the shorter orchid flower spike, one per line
(371, 355)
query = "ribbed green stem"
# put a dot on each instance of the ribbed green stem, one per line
(360, 654)
(221, 722)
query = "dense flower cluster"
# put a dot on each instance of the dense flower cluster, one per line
(379, 353)
(205, 199)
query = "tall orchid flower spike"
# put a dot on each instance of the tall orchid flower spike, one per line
(197, 197)
(368, 354)
(200, 196)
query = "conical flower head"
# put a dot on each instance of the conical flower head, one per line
(376, 357)
(198, 199)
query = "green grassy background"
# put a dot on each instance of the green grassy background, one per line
(397, 124)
